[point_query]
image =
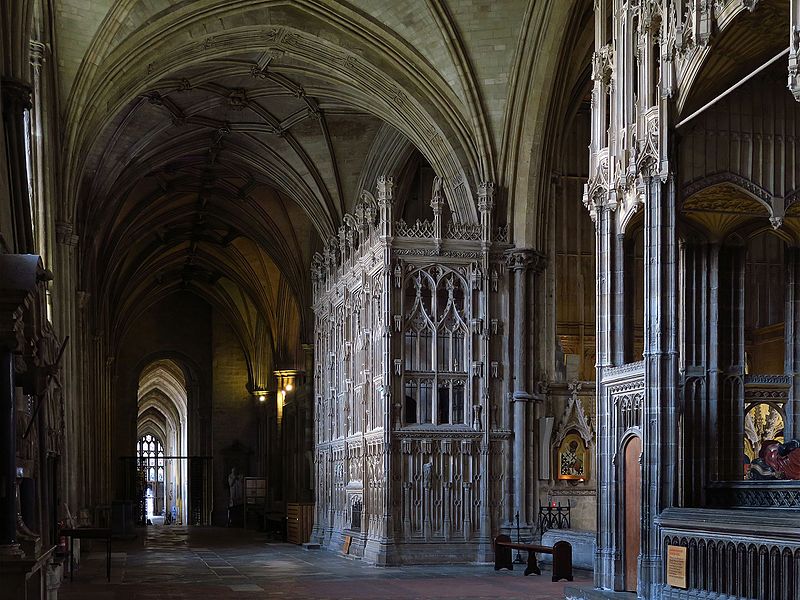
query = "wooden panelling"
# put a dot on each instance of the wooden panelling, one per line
(299, 521)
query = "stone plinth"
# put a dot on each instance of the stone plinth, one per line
(582, 542)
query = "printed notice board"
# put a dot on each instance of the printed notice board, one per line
(676, 566)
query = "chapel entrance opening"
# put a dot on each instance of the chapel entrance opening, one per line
(161, 426)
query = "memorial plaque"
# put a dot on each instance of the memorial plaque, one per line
(676, 566)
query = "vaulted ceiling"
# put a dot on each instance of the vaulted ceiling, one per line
(220, 179)
(209, 146)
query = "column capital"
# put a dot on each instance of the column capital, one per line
(523, 259)
(16, 95)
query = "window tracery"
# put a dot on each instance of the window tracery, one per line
(150, 455)
(435, 346)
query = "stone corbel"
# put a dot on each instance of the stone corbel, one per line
(777, 212)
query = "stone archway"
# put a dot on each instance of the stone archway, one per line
(163, 413)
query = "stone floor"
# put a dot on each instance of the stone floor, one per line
(171, 563)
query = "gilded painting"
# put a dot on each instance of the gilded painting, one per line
(573, 458)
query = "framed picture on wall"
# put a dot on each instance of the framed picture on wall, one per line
(573, 458)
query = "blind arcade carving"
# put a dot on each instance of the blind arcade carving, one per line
(404, 418)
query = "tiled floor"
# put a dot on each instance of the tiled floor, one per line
(171, 563)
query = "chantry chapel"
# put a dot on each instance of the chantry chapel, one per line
(386, 280)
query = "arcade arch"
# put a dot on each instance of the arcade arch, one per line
(163, 415)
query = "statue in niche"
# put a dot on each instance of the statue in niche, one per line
(776, 461)
(427, 472)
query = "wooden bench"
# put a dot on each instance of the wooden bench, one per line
(561, 551)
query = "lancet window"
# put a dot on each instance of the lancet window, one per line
(435, 347)
(150, 453)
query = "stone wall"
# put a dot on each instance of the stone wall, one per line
(179, 328)
(234, 421)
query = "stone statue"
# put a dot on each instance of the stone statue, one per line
(427, 472)
(438, 187)
(235, 488)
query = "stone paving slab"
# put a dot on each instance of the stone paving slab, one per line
(177, 563)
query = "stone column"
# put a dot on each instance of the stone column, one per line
(521, 261)
(486, 209)
(659, 422)
(729, 409)
(695, 352)
(307, 484)
(792, 341)
(68, 312)
(620, 333)
(714, 371)
(607, 553)
(16, 99)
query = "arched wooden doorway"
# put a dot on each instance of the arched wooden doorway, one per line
(632, 481)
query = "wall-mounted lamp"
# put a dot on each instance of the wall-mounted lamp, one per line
(260, 394)
(287, 378)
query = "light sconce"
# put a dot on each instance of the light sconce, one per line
(286, 381)
(260, 394)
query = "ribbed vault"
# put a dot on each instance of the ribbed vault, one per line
(217, 164)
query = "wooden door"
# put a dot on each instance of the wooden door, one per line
(633, 510)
